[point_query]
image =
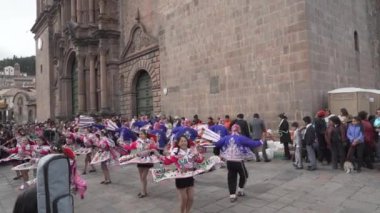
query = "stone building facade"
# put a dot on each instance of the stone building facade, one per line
(17, 105)
(202, 57)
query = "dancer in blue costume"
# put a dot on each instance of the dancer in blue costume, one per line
(235, 148)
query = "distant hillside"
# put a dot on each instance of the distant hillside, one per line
(27, 64)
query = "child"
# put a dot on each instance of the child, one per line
(356, 139)
(298, 145)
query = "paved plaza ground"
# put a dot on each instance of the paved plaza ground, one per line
(271, 187)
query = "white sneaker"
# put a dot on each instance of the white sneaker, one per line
(233, 198)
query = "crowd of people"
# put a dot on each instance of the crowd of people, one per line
(338, 140)
(179, 141)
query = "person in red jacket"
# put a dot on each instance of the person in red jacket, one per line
(369, 139)
(185, 157)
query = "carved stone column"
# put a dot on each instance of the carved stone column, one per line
(81, 83)
(102, 7)
(103, 80)
(92, 84)
(91, 14)
(73, 11)
(79, 11)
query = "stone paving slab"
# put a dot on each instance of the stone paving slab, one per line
(271, 187)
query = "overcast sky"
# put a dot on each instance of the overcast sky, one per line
(16, 19)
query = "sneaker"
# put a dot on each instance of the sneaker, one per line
(241, 194)
(233, 198)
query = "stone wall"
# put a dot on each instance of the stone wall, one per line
(335, 61)
(226, 57)
(43, 68)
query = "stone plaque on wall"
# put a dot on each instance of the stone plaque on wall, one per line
(214, 85)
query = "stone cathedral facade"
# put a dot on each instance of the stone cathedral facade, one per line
(203, 57)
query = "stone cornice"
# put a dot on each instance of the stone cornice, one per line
(45, 16)
(41, 21)
(106, 34)
(140, 53)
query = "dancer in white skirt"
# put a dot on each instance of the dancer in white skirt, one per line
(105, 154)
(89, 141)
(141, 145)
(21, 152)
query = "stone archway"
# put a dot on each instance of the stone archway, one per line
(69, 99)
(141, 55)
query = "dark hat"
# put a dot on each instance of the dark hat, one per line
(282, 115)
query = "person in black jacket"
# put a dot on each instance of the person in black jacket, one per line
(309, 140)
(243, 125)
(320, 130)
(285, 139)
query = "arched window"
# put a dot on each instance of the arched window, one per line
(356, 40)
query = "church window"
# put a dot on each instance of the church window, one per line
(356, 40)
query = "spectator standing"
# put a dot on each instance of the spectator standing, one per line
(369, 143)
(309, 139)
(356, 138)
(285, 139)
(320, 130)
(210, 121)
(257, 127)
(344, 116)
(196, 120)
(328, 115)
(242, 124)
(335, 138)
(298, 144)
(376, 125)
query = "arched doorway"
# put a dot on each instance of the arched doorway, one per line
(144, 97)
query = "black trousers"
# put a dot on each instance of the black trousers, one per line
(323, 152)
(286, 150)
(356, 155)
(234, 168)
(337, 154)
(368, 156)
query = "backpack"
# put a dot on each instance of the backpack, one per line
(53, 185)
